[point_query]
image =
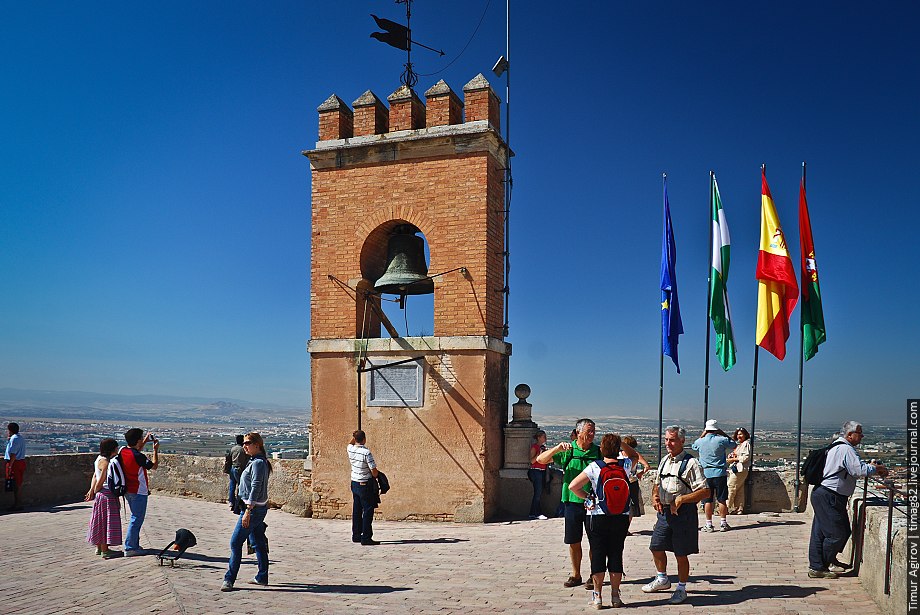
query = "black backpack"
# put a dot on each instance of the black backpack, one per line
(813, 468)
(115, 477)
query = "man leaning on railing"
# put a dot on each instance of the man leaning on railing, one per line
(830, 529)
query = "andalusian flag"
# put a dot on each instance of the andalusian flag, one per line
(812, 313)
(719, 310)
(777, 291)
(671, 325)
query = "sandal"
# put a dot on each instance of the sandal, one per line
(572, 582)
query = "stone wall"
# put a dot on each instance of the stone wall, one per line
(290, 487)
(54, 479)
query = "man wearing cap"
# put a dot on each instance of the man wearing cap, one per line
(712, 446)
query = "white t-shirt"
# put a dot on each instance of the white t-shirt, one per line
(593, 472)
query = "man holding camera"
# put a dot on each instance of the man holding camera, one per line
(135, 465)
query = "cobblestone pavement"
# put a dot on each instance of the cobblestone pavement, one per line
(758, 567)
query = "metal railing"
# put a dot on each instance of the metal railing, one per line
(881, 493)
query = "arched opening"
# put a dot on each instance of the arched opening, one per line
(409, 314)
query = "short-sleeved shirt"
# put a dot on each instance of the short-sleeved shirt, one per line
(671, 486)
(593, 472)
(362, 462)
(712, 448)
(16, 445)
(135, 465)
(573, 462)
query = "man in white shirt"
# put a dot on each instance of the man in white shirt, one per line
(364, 494)
(830, 528)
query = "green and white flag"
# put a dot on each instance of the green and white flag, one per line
(719, 310)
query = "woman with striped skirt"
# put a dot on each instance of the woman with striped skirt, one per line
(105, 524)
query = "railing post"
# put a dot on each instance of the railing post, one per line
(888, 543)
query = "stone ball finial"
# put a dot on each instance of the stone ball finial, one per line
(522, 392)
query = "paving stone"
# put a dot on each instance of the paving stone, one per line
(419, 568)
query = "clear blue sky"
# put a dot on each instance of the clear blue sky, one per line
(155, 206)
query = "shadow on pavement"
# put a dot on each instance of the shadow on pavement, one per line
(750, 592)
(327, 589)
(423, 541)
(714, 579)
(754, 526)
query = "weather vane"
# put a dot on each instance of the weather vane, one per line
(400, 36)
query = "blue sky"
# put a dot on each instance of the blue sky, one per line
(156, 208)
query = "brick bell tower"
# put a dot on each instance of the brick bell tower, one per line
(433, 407)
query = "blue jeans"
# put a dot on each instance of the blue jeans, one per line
(362, 511)
(234, 483)
(257, 530)
(536, 479)
(138, 505)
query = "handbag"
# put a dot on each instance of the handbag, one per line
(9, 485)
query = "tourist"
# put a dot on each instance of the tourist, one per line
(15, 462)
(364, 491)
(606, 529)
(637, 461)
(679, 485)
(135, 465)
(537, 474)
(573, 457)
(713, 444)
(253, 495)
(105, 522)
(238, 462)
(830, 528)
(739, 465)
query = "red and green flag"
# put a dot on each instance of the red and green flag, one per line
(812, 312)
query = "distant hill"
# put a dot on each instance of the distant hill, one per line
(112, 407)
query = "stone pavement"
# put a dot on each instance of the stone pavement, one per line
(759, 567)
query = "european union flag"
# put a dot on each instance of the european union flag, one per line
(671, 326)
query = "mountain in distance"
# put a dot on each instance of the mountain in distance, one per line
(164, 408)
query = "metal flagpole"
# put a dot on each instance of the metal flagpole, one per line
(661, 343)
(708, 306)
(748, 493)
(798, 447)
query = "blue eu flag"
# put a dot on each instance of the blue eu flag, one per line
(671, 326)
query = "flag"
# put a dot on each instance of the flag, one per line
(671, 326)
(777, 290)
(719, 311)
(812, 313)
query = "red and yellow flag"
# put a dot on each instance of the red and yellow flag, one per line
(777, 290)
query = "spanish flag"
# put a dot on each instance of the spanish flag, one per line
(777, 290)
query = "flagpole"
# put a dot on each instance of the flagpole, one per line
(708, 306)
(798, 448)
(664, 177)
(748, 493)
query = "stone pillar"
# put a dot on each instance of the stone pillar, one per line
(519, 432)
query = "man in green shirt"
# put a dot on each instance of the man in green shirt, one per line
(573, 457)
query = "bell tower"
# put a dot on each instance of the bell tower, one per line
(433, 407)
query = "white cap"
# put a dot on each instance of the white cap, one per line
(712, 425)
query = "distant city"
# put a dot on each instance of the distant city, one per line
(69, 422)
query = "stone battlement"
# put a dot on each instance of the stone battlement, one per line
(442, 107)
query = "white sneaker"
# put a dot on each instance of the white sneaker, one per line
(836, 568)
(657, 585)
(542, 517)
(596, 600)
(679, 595)
(708, 529)
(724, 527)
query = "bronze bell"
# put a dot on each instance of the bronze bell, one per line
(407, 273)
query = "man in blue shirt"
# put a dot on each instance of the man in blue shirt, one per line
(15, 458)
(830, 528)
(712, 446)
